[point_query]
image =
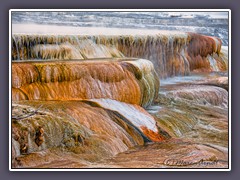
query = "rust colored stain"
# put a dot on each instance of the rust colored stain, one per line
(154, 136)
(76, 80)
(199, 48)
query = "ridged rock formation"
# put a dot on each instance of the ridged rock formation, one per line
(78, 100)
(172, 53)
(133, 82)
(206, 95)
(199, 112)
(94, 128)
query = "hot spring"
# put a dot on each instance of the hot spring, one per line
(128, 95)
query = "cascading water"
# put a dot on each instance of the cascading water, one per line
(172, 53)
(91, 97)
(133, 82)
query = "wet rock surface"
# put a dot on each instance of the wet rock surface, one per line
(132, 82)
(173, 53)
(197, 133)
(111, 112)
(93, 129)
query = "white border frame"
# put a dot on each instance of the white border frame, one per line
(122, 10)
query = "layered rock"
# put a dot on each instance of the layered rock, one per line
(126, 81)
(198, 113)
(93, 129)
(78, 99)
(172, 53)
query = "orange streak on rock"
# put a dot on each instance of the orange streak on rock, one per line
(18, 94)
(77, 80)
(154, 136)
(104, 132)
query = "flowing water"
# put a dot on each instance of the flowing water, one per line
(100, 97)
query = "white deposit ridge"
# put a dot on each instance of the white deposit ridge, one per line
(137, 115)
